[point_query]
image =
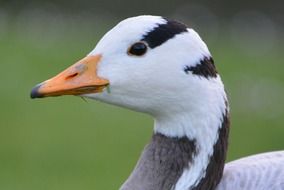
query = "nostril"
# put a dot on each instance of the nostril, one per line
(71, 76)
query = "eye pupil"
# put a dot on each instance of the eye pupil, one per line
(138, 49)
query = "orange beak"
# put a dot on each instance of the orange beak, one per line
(80, 78)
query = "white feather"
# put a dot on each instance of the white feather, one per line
(258, 172)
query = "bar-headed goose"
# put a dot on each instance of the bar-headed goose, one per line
(160, 67)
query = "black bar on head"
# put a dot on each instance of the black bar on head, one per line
(204, 68)
(163, 32)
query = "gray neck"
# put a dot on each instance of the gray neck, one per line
(164, 160)
(161, 163)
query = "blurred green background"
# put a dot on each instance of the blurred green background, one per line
(67, 143)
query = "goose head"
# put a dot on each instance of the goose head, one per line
(160, 67)
(145, 63)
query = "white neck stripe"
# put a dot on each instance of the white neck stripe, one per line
(202, 124)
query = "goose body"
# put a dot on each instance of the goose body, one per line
(261, 171)
(160, 67)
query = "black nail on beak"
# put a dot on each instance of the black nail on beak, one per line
(35, 92)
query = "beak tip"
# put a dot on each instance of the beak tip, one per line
(35, 92)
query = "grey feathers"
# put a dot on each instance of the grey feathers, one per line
(258, 172)
(161, 163)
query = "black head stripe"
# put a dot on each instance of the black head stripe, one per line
(205, 68)
(163, 32)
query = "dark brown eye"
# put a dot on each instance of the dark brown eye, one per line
(138, 49)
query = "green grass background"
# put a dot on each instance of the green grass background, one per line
(66, 143)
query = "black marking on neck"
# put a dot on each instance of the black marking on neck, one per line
(161, 163)
(164, 160)
(204, 68)
(214, 170)
(163, 32)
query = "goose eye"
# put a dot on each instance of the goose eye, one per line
(138, 49)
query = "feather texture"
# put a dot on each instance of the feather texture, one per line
(258, 172)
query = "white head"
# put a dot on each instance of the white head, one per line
(160, 67)
(156, 80)
(174, 75)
